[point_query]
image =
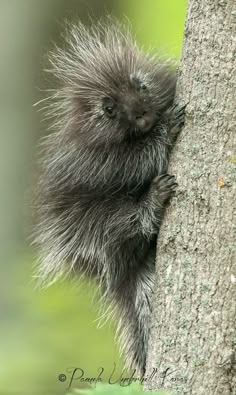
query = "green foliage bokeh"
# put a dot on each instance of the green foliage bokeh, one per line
(43, 332)
(157, 23)
(103, 389)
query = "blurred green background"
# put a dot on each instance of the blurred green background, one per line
(44, 332)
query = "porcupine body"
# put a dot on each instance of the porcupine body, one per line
(103, 184)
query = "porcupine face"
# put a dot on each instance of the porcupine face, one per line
(112, 90)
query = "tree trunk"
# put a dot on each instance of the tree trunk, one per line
(192, 330)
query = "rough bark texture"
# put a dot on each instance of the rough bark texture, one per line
(192, 331)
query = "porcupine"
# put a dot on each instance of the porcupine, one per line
(103, 182)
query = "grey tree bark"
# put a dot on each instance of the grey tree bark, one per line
(193, 324)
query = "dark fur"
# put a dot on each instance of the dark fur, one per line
(103, 183)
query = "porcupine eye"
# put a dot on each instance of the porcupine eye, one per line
(139, 85)
(109, 107)
(142, 86)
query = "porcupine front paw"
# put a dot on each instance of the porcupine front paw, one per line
(162, 188)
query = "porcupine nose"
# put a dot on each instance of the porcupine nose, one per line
(140, 120)
(138, 114)
(141, 114)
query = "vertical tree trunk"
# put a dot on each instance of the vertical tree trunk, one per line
(192, 331)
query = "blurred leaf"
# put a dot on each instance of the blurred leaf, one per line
(102, 389)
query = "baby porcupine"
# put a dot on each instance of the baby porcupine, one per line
(103, 183)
